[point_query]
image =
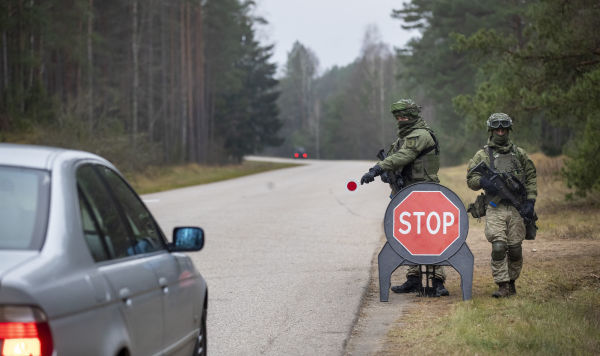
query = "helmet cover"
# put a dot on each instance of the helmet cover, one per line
(406, 107)
(499, 119)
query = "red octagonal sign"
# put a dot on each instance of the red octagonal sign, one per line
(426, 223)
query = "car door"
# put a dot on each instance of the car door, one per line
(130, 275)
(174, 273)
(182, 302)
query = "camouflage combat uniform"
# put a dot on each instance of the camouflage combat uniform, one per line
(405, 159)
(414, 157)
(402, 157)
(504, 226)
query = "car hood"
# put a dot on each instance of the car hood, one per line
(9, 259)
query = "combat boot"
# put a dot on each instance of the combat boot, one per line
(412, 284)
(503, 290)
(438, 288)
(512, 289)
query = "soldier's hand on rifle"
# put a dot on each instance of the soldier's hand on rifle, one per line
(528, 207)
(488, 186)
(385, 177)
(371, 174)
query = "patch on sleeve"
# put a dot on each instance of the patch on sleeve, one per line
(411, 142)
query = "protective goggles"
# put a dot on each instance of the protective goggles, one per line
(500, 123)
(405, 113)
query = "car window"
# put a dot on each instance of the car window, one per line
(24, 199)
(95, 240)
(147, 236)
(102, 210)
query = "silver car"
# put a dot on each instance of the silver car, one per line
(84, 267)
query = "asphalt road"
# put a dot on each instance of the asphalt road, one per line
(287, 255)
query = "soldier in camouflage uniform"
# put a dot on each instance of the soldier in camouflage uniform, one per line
(414, 156)
(504, 226)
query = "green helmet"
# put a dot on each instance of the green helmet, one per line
(406, 107)
(497, 120)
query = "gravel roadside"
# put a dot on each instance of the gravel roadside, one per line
(375, 318)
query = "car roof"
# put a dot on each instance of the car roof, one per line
(39, 157)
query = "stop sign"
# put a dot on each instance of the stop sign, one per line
(426, 223)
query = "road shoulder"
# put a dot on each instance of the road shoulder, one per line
(375, 318)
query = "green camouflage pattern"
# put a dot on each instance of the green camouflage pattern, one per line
(439, 272)
(403, 104)
(504, 223)
(524, 170)
(498, 116)
(406, 107)
(404, 151)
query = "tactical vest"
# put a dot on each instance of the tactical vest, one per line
(425, 167)
(509, 162)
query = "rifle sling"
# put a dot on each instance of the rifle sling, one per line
(491, 156)
(493, 168)
(435, 147)
(430, 148)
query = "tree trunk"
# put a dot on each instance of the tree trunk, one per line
(31, 52)
(201, 135)
(90, 65)
(151, 116)
(189, 75)
(183, 83)
(78, 92)
(164, 110)
(136, 79)
(4, 120)
(20, 67)
(318, 127)
(42, 67)
(173, 116)
(5, 59)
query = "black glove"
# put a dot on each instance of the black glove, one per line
(487, 185)
(527, 208)
(385, 177)
(371, 174)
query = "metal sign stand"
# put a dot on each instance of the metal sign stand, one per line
(426, 291)
(394, 254)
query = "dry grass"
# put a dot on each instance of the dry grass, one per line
(557, 309)
(155, 179)
(561, 218)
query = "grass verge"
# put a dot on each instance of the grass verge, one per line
(154, 179)
(557, 308)
(555, 312)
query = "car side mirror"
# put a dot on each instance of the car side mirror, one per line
(187, 239)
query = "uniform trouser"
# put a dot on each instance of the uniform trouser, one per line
(415, 271)
(505, 229)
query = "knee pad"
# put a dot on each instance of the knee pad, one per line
(499, 250)
(515, 252)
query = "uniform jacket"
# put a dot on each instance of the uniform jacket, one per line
(524, 169)
(403, 155)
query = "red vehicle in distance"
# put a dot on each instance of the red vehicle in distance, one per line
(300, 152)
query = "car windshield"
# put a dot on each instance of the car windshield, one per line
(24, 197)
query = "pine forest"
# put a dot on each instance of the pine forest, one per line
(175, 81)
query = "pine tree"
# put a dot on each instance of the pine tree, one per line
(547, 75)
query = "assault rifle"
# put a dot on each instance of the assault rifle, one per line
(390, 177)
(509, 188)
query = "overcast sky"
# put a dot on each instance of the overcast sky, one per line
(333, 29)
